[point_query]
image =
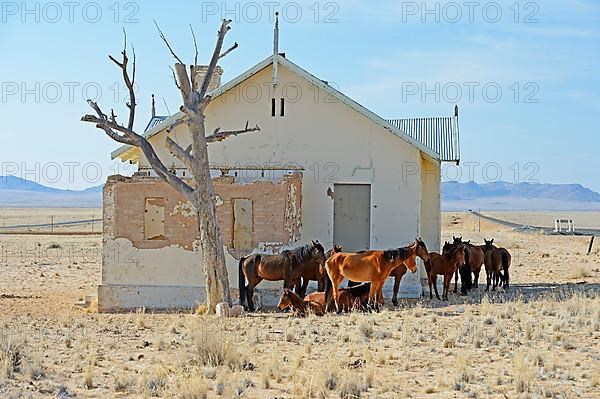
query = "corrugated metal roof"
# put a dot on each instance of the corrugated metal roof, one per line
(155, 121)
(440, 134)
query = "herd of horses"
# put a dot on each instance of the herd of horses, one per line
(366, 272)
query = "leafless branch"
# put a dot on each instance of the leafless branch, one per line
(218, 135)
(195, 45)
(215, 57)
(235, 45)
(180, 154)
(229, 50)
(164, 39)
(129, 82)
(175, 78)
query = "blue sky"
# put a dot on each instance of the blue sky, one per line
(400, 59)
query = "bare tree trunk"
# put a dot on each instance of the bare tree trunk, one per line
(201, 194)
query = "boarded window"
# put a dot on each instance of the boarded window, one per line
(154, 219)
(242, 223)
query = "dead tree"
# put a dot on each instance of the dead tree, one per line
(199, 191)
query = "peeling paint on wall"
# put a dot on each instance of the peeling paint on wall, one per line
(184, 209)
(292, 214)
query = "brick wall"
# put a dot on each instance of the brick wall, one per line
(275, 208)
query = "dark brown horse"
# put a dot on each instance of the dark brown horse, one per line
(286, 266)
(373, 266)
(497, 262)
(445, 264)
(473, 262)
(315, 272)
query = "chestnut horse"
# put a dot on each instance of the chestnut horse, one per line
(445, 264)
(286, 266)
(373, 266)
(497, 260)
(299, 307)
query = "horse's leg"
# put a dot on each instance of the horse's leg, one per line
(250, 292)
(304, 286)
(476, 278)
(372, 294)
(506, 278)
(455, 281)
(447, 282)
(435, 278)
(429, 278)
(397, 280)
(488, 278)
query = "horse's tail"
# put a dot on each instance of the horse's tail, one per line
(242, 281)
(505, 265)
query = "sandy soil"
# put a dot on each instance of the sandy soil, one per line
(540, 339)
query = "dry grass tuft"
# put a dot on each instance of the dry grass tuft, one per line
(523, 373)
(213, 351)
(351, 386)
(12, 351)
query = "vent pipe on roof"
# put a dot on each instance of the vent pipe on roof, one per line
(276, 51)
(153, 107)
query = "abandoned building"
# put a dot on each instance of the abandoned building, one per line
(322, 167)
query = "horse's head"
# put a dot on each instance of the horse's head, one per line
(457, 240)
(334, 250)
(459, 254)
(285, 301)
(447, 247)
(421, 250)
(489, 244)
(318, 252)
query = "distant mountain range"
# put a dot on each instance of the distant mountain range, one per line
(520, 196)
(21, 193)
(18, 193)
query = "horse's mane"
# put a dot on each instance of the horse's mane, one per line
(299, 254)
(392, 254)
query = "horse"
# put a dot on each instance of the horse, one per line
(497, 261)
(286, 266)
(445, 264)
(352, 297)
(474, 255)
(373, 266)
(314, 272)
(299, 306)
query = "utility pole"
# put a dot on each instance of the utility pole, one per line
(52, 224)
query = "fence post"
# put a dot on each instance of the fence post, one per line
(591, 245)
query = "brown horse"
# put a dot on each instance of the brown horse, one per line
(315, 272)
(373, 266)
(351, 298)
(286, 266)
(299, 307)
(398, 273)
(474, 255)
(497, 261)
(445, 264)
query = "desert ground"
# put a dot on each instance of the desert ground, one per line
(541, 339)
